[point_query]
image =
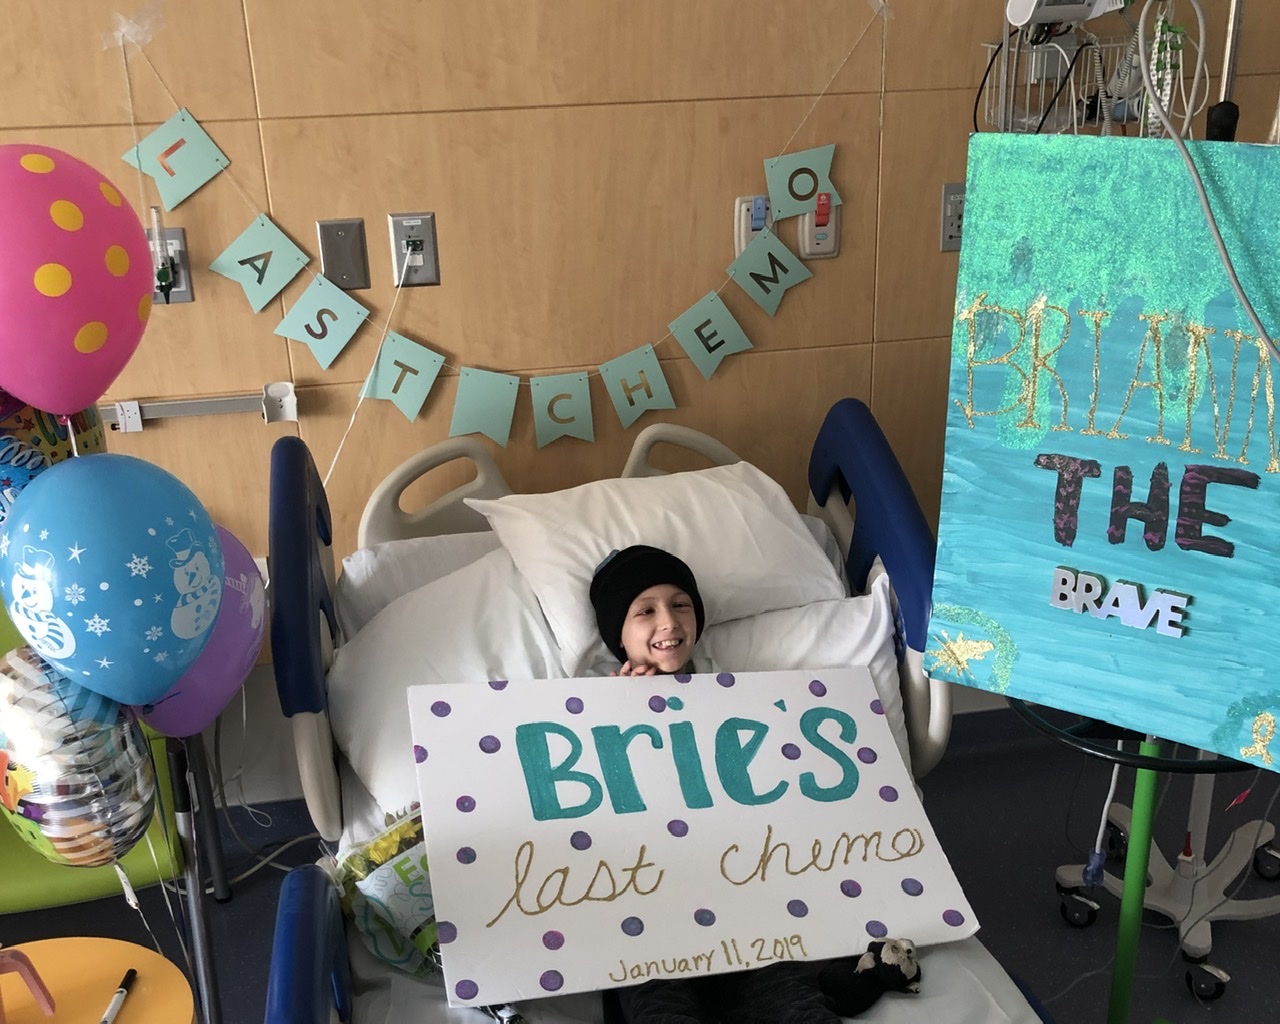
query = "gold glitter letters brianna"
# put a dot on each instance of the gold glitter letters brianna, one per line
(1264, 731)
(1035, 340)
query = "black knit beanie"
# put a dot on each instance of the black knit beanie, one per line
(629, 572)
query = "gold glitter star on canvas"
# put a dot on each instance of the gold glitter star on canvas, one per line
(955, 655)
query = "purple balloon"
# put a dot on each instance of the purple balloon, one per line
(199, 696)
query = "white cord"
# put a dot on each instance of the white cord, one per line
(1203, 196)
(1106, 807)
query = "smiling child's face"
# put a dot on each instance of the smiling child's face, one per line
(661, 628)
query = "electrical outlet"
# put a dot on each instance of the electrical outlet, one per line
(751, 215)
(175, 244)
(415, 258)
(952, 216)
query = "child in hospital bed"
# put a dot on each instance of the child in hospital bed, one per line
(650, 616)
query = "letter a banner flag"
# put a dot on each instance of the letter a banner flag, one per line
(1112, 475)
(583, 835)
(262, 261)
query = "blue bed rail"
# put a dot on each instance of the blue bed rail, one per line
(852, 454)
(309, 969)
(301, 534)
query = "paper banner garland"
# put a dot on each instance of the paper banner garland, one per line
(562, 407)
(180, 156)
(796, 179)
(262, 261)
(708, 332)
(766, 269)
(636, 384)
(404, 374)
(485, 404)
(325, 318)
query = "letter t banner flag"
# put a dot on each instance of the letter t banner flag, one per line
(325, 318)
(404, 374)
(180, 156)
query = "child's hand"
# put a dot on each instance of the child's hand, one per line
(628, 669)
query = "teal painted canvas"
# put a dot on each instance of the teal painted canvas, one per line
(1109, 540)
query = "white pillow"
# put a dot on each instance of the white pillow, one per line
(375, 576)
(735, 527)
(479, 623)
(828, 634)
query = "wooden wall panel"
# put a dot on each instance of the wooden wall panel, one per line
(925, 143)
(226, 461)
(326, 57)
(765, 406)
(570, 236)
(57, 67)
(909, 399)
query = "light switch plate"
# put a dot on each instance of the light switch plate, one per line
(952, 216)
(415, 257)
(344, 257)
(818, 243)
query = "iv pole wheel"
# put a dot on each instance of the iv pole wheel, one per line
(1266, 862)
(1207, 982)
(1078, 911)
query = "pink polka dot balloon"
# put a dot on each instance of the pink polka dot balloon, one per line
(75, 279)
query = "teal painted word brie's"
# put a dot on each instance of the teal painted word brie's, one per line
(559, 788)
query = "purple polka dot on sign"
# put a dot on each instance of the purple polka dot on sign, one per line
(818, 688)
(657, 703)
(877, 929)
(866, 755)
(790, 751)
(441, 709)
(573, 705)
(675, 703)
(877, 707)
(490, 744)
(580, 841)
(798, 908)
(497, 684)
(466, 989)
(725, 679)
(466, 855)
(888, 794)
(551, 981)
(682, 677)
(704, 917)
(850, 888)
(912, 886)
(678, 828)
(632, 926)
(419, 753)
(446, 932)
(553, 940)
(466, 804)
(953, 918)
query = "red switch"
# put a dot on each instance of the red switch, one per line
(822, 215)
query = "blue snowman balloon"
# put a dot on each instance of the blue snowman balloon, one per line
(111, 570)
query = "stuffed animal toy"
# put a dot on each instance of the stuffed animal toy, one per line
(887, 966)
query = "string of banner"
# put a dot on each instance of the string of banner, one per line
(180, 157)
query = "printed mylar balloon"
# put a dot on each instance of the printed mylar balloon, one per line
(111, 570)
(75, 279)
(32, 440)
(75, 773)
(208, 686)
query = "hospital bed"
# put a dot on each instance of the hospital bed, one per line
(319, 964)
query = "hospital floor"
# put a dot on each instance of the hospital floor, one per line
(1008, 805)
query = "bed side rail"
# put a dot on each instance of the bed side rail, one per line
(310, 978)
(304, 627)
(638, 464)
(385, 519)
(852, 458)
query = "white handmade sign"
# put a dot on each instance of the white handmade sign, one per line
(589, 833)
